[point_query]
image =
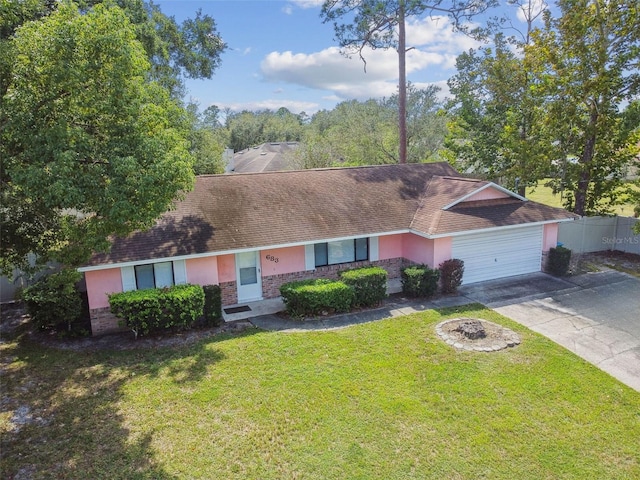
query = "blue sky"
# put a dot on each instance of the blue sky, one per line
(280, 54)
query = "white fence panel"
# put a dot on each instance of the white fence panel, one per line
(595, 234)
(626, 240)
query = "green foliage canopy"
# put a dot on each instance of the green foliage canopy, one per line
(191, 49)
(90, 148)
(247, 129)
(366, 133)
(585, 62)
(496, 130)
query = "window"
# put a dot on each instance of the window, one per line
(341, 251)
(156, 275)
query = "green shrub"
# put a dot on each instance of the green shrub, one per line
(369, 285)
(311, 297)
(419, 281)
(212, 305)
(145, 311)
(54, 300)
(558, 262)
(451, 272)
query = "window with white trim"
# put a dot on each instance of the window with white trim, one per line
(341, 251)
(150, 275)
(154, 275)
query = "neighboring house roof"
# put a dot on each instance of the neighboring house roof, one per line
(247, 211)
(268, 157)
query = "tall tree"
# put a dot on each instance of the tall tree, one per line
(247, 128)
(630, 129)
(191, 49)
(381, 24)
(586, 64)
(208, 140)
(426, 122)
(353, 133)
(496, 131)
(89, 147)
(365, 133)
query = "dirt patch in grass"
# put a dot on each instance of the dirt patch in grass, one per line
(484, 336)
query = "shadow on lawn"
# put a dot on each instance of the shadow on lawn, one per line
(63, 413)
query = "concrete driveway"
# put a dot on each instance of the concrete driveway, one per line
(595, 315)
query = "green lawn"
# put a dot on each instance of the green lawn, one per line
(546, 196)
(384, 400)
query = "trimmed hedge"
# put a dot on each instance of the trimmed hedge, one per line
(451, 272)
(212, 305)
(54, 300)
(419, 281)
(558, 262)
(311, 297)
(369, 285)
(145, 311)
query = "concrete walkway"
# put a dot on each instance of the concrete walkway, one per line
(594, 315)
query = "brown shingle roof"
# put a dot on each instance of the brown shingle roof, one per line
(441, 191)
(228, 212)
(499, 212)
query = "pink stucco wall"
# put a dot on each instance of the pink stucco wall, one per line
(487, 194)
(100, 283)
(418, 249)
(549, 236)
(441, 250)
(415, 248)
(202, 271)
(390, 246)
(282, 260)
(227, 268)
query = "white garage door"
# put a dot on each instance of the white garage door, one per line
(499, 254)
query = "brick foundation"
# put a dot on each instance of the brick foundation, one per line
(271, 284)
(103, 322)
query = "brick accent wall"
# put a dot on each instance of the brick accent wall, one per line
(229, 293)
(103, 322)
(545, 262)
(271, 284)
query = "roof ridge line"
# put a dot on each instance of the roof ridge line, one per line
(321, 169)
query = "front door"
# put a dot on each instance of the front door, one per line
(248, 276)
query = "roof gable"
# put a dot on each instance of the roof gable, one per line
(486, 191)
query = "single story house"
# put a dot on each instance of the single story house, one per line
(250, 233)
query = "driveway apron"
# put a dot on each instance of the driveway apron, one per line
(594, 315)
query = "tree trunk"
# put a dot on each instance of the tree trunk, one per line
(402, 85)
(585, 163)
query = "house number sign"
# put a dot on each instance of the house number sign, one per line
(273, 259)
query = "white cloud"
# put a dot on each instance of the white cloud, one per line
(332, 71)
(434, 49)
(307, 3)
(294, 106)
(531, 9)
(435, 34)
